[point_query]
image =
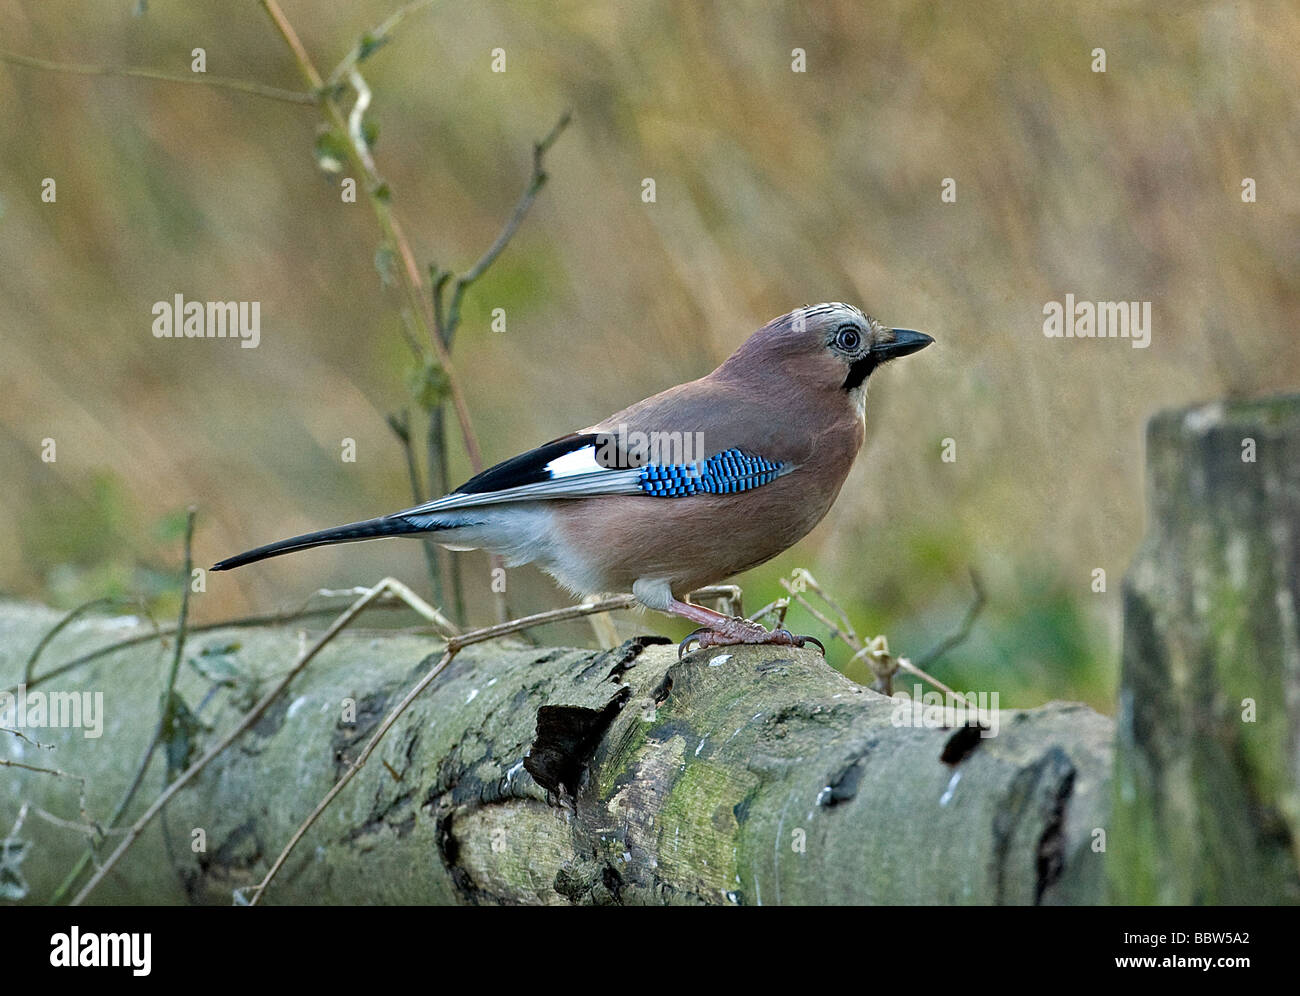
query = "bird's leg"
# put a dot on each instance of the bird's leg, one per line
(718, 630)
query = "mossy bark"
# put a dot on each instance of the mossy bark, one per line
(1207, 784)
(741, 776)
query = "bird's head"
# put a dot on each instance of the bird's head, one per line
(829, 347)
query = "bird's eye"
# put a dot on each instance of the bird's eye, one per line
(848, 338)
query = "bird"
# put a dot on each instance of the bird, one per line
(682, 490)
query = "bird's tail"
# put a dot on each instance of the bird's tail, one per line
(386, 525)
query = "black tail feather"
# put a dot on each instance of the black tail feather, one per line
(388, 525)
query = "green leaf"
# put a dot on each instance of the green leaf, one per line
(171, 527)
(370, 44)
(221, 649)
(369, 130)
(429, 385)
(180, 730)
(219, 665)
(331, 151)
(386, 264)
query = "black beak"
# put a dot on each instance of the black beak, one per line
(905, 341)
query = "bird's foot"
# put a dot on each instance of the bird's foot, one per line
(732, 632)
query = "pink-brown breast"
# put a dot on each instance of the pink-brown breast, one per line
(704, 539)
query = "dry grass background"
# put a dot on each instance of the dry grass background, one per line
(775, 189)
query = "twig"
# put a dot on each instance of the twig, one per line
(12, 848)
(848, 637)
(202, 79)
(18, 825)
(844, 629)
(372, 40)
(401, 426)
(248, 720)
(427, 307)
(884, 665)
(70, 617)
(23, 736)
(906, 665)
(440, 622)
(962, 632)
(5, 762)
(421, 305)
(454, 646)
(435, 442)
(451, 320)
(779, 607)
(410, 333)
(843, 616)
(161, 632)
(57, 773)
(356, 765)
(169, 686)
(165, 711)
(86, 829)
(602, 626)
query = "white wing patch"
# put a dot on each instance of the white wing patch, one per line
(577, 462)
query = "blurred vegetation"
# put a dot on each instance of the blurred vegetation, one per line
(775, 189)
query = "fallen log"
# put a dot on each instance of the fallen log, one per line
(748, 775)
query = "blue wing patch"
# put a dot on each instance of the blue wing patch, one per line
(729, 472)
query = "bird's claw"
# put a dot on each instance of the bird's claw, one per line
(799, 641)
(682, 650)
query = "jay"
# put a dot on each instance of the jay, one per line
(679, 491)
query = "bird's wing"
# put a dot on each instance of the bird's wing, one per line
(586, 464)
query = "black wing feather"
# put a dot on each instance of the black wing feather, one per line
(527, 468)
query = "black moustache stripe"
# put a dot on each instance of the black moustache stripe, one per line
(859, 370)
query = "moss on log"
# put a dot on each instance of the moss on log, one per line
(1207, 800)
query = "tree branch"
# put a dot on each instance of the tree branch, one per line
(536, 182)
